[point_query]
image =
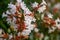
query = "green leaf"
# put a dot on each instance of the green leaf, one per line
(3, 26)
(3, 5)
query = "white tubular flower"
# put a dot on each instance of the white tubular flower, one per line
(41, 9)
(28, 19)
(10, 36)
(8, 20)
(7, 12)
(43, 2)
(49, 15)
(54, 28)
(14, 19)
(35, 4)
(26, 32)
(30, 27)
(13, 11)
(13, 8)
(4, 15)
(36, 30)
(23, 6)
(50, 30)
(26, 10)
(11, 5)
(57, 23)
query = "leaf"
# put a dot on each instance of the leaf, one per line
(3, 26)
(3, 5)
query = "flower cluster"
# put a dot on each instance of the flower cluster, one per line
(28, 18)
(39, 7)
(23, 6)
(25, 25)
